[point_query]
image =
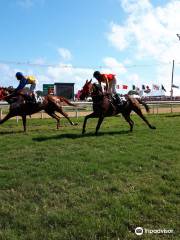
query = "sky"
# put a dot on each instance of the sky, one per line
(67, 40)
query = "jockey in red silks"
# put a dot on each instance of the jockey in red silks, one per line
(110, 81)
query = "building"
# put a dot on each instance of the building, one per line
(47, 88)
(64, 89)
(60, 89)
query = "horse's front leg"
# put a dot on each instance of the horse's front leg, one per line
(92, 115)
(8, 116)
(24, 122)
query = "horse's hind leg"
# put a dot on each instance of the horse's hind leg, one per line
(8, 116)
(139, 113)
(65, 115)
(129, 120)
(101, 118)
(24, 122)
(53, 115)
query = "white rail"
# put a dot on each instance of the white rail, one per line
(87, 106)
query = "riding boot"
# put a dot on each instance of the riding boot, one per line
(118, 101)
(33, 98)
(30, 99)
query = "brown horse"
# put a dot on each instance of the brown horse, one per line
(19, 107)
(104, 106)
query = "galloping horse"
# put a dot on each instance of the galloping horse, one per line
(50, 104)
(103, 106)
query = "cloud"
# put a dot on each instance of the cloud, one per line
(65, 53)
(62, 72)
(118, 36)
(6, 73)
(67, 73)
(151, 29)
(149, 33)
(114, 65)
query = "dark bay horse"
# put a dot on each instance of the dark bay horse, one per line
(103, 106)
(50, 104)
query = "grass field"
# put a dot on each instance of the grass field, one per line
(60, 185)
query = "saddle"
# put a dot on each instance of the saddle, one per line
(28, 96)
(116, 101)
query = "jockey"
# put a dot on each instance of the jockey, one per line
(23, 81)
(110, 81)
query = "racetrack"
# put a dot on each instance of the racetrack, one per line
(62, 185)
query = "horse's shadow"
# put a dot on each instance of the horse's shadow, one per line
(11, 132)
(172, 116)
(76, 136)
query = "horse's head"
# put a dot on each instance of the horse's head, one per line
(5, 92)
(86, 90)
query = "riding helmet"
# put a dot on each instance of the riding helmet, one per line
(19, 75)
(96, 74)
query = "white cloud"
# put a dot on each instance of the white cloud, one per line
(118, 36)
(60, 73)
(65, 53)
(151, 29)
(114, 65)
(67, 73)
(151, 32)
(6, 73)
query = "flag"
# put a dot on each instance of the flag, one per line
(148, 90)
(155, 87)
(163, 88)
(124, 86)
(175, 86)
(135, 88)
(143, 87)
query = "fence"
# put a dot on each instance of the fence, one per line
(84, 108)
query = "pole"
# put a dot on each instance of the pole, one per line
(172, 77)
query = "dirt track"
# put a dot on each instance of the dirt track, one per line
(73, 114)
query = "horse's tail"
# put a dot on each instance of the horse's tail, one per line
(144, 104)
(136, 102)
(63, 99)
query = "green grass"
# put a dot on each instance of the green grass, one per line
(60, 185)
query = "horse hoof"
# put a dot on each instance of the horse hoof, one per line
(153, 127)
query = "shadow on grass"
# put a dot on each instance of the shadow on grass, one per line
(75, 136)
(11, 132)
(174, 115)
(18, 132)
